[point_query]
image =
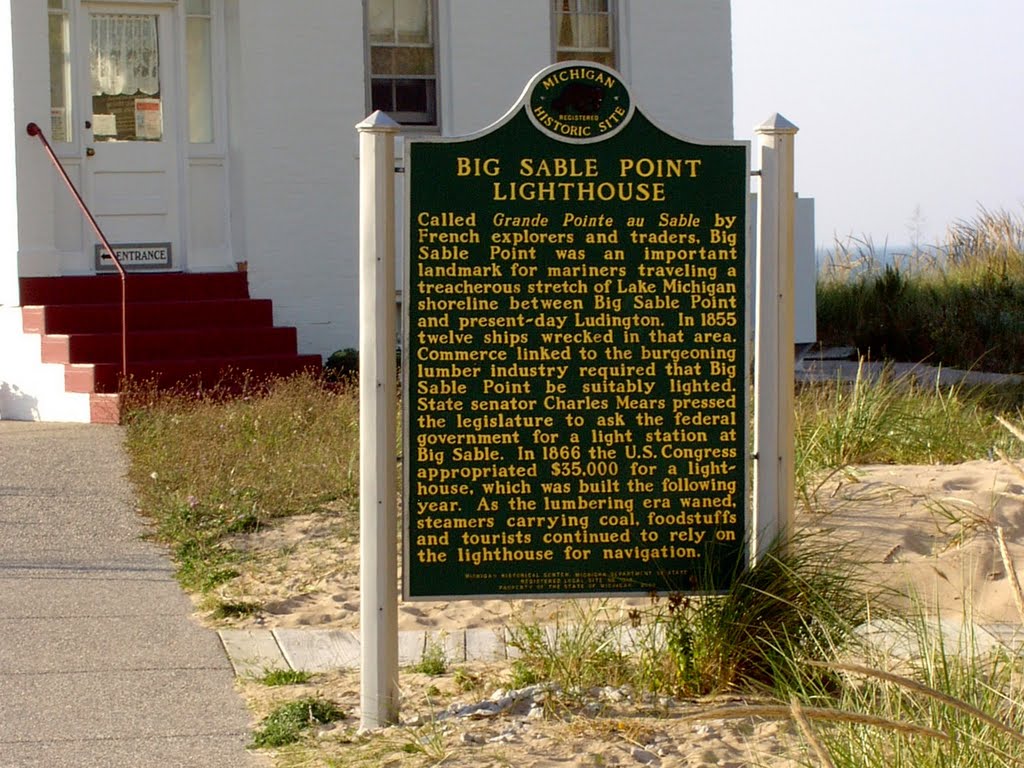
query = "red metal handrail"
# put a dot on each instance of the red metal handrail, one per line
(35, 130)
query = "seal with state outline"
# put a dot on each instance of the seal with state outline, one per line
(579, 101)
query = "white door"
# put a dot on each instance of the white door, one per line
(130, 131)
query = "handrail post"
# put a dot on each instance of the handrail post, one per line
(36, 131)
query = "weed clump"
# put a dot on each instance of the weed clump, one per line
(286, 724)
(434, 661)
(578, 652)
(276, 677)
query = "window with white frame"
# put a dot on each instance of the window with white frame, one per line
(584, 29)
(60, 70)
(199, 45)
(402, 60)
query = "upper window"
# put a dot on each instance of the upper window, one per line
(403, 68)
(584, 29)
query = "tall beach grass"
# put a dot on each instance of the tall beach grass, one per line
(960, 304)
(205, 467)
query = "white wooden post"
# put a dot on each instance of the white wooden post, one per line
(774, 362)
(378, 511)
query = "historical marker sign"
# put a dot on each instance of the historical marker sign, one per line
(575, 352)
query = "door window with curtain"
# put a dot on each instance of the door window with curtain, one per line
(584, 29)
(402, 60)
(124, 66)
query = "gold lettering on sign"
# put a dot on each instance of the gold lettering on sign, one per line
(576, 369)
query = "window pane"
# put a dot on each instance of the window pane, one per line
(591, 31)
(382, 21)
(56, 5)
(412, 21)
(401, 61)
(411, 102)
(124, 55)
(585, 6)
(60, 77)
(414, 61)
(198, 7)
(200, 81)
(584, 30)
(382, 61)
(608, 59)
(411, 96)
(382, 96)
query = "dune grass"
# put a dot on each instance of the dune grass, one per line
(205, 467)
(897, 420)
(960, 304)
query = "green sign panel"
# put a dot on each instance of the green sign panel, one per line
(575, 355)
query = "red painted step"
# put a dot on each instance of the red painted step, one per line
(185, 344)
(226, 373)
(198, 329)
(141, 287)
(99, 318)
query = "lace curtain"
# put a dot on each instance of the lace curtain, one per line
(123, 55)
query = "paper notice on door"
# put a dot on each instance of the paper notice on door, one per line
(104, 125)
(58, 124)
(149, 119)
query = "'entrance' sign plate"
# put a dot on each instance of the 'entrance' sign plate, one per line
(134, 256)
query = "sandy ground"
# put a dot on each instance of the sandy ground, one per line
(926, 531)
(929, 528)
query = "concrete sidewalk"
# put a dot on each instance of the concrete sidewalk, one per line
(100, 662)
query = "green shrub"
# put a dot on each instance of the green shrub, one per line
(342, 365)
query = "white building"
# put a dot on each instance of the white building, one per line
(217, 136)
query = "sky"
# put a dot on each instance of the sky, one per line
(910, 111)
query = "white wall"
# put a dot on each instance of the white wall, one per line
(293, 160)
(679, 64)
(492, 49)
(805, 278)
(31, 390)
(26, 200)
(8, 182)
(805, 267)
